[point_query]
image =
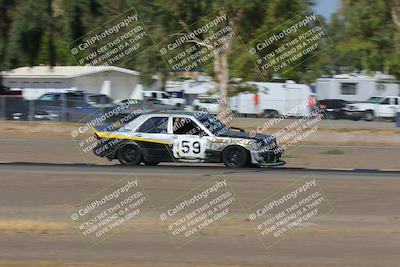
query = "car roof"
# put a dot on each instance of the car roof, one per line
(334, 99)
(95, 94)
(171, 113)
(64, 93)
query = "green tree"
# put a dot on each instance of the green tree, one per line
(367, 36)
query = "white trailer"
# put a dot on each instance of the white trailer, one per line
(356, 87)
(274, 99)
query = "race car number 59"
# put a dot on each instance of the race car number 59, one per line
(187, 147)
(191, 147)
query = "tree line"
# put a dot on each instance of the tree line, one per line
(365, 34)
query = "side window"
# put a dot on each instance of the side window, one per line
(186, 126)
(154, 125)
(57, 98)
(46, 98)
(348, 88)
(396, 101)
(154, 95)
(386, 101)
(165, 96)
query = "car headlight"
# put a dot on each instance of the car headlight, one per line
(267, 143)
(351, 107)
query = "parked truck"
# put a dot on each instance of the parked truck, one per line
(375, 107)
(164, 97)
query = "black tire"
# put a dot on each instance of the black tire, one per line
(151, 163)
(331, 116)
(270, 114)
(130, 155)
(235, 114)
(369, 115)
(235, 157)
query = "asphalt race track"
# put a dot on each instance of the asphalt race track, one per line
(363, 227)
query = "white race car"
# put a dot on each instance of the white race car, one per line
(185, 137)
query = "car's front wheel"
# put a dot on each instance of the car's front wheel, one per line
(331, 115)
(369, 115)
(235, 157)
(130, 155)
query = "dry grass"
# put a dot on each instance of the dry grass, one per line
(333, 152)
(30, 226)
(116, 264)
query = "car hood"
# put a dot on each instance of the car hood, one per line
(246, 135)
(360, 104)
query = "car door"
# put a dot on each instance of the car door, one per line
(48, 103)
(387, 107)
(79, 111)
(154, 138)
(397, 105)
(191, 141)
(154, 130)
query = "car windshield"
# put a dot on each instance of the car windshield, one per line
(158, 102)
(99, 99)
(131, 101)
(213, 124)
(373, 99)
(209, 100)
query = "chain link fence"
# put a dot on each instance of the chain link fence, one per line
(18, 108)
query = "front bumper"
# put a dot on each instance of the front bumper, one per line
(267, 157)
(354, 113)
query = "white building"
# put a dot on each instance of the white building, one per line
(356, 87)
(118, 83)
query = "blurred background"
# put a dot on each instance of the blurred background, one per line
(352, 79)
(36, 35)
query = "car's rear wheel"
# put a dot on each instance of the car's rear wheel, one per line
(130, 155)
(235, 157)
(270, 113)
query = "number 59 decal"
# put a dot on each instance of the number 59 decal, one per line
(191, 148)
(187, 147)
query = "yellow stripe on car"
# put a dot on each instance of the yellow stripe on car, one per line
(117, 136)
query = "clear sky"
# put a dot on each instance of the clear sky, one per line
(326, 7)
